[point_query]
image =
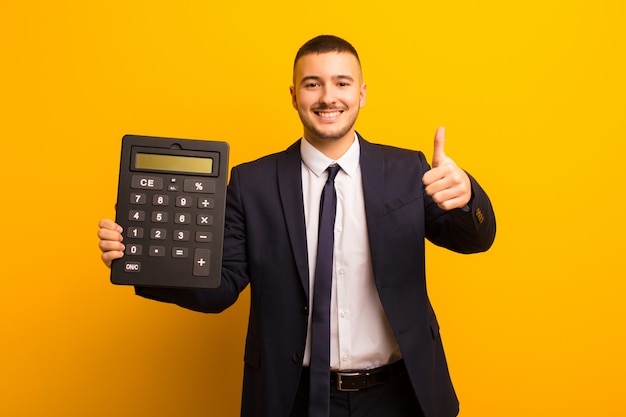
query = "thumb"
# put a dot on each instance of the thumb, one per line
(438, 153)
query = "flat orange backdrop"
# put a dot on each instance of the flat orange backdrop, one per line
(532, 95)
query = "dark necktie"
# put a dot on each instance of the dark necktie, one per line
(319, 393)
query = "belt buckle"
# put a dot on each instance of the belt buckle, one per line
(340, 375)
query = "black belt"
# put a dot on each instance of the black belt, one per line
(358, 380)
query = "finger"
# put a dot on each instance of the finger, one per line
(438, 153)
(436, 174)
(110, 225)
(452, 203)
(111, 250)
(454, 191)
(109, 256)
(108, 234)
(448, 194)
(110, 244)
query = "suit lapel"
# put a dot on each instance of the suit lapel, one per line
(290, 188)
(372, 172)
(289, 168)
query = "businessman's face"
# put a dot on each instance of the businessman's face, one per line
(328, 92)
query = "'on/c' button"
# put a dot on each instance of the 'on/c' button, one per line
(131, 266)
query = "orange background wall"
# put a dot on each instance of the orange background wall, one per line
(532, 95)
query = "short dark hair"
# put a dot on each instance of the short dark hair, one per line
(323, 44)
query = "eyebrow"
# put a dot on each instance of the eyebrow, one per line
(318, 78)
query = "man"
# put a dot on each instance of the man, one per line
(386, 354)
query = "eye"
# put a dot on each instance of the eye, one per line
(343, 84)
(311, 85)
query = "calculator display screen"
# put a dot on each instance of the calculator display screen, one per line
(177, 163)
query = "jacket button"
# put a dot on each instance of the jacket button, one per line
(296, 357)
(305, 310)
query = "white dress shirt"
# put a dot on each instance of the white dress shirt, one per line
(361, 337)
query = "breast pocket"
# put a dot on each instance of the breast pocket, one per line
(403, 222)
(414, 198)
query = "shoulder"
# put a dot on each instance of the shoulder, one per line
(270, 161)
(387, 150)
(391, 156)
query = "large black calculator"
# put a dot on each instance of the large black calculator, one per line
(170, 203)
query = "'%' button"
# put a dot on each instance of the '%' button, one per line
(199, 185)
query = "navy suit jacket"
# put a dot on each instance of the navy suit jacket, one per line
(265, 246)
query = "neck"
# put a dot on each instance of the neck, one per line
(332, 148)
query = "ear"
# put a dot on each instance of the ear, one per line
(292, 91)
(362, 95)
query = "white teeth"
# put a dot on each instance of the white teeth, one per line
(329, 115)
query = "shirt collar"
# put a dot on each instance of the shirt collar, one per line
(317, 162)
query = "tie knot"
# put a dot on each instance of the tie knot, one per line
(332, 171)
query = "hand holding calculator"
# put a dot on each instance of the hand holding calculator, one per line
(171, 203)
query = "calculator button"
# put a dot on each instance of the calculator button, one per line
(158, 234)
(136, 215)
(199, 185)
(159, 217)
(173, 186)
(181, 235)
(180, 252)
(160, 200)
(204, 220)
(183, 201)
(204, 237)
(146, 182)
(134, 232)
(133, 250)
(201, 258)
(206, 203)
(132, 266)
(158, 251)
(137, 198)
(182, 218)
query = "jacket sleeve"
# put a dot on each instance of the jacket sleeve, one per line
(470, 229)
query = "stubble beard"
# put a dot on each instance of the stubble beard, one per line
(327, 135)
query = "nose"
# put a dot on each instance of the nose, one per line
(327, 97)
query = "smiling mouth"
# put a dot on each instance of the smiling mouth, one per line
(325, 114)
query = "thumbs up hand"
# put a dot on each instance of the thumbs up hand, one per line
(447, 184)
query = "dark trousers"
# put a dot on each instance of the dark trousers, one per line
(391, 399)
